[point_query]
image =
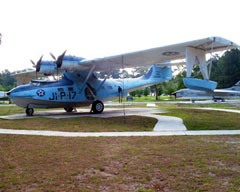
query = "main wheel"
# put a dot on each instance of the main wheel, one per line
(29, 111)
(70, 109)
(97, 107)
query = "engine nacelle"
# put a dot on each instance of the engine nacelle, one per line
(70, 62)
(48, 67)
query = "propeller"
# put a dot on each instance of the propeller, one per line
(59, 60)
(38, 65)
(54, 58)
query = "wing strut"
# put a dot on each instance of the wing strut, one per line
(87, 78)
(107, 76)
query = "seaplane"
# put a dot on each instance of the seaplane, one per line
(79, 86)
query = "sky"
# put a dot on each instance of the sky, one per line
(94, 28)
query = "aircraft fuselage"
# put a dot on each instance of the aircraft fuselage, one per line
(73, 90)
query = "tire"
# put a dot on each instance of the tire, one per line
(29, 111)
(69, 110)
(97, 107)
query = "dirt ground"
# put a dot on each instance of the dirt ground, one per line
(183, 163)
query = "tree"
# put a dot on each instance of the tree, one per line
(226, 70)
(146, 91)
(115, 74)
(7, 81)
(138, 72)
(139, 92)
(133, 93)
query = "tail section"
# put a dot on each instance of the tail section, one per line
(153, 76)
(235, 87)
(237, 84)
(158, 74)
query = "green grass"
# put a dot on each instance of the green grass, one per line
(184, 163)
(151, 99)
(217, 106)
(197, 119)
(10, 110)
(194, 119)
(83, 124)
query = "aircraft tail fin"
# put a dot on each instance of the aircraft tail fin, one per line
(157, 74)
(237, 84)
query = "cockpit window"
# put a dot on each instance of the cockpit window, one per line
(70, 89)
(60, 89)
(36, 84)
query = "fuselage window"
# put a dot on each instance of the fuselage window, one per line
(60, 89)
(70, 89)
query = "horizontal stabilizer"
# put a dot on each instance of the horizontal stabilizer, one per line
(225, 91)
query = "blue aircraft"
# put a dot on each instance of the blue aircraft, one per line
(79, 85)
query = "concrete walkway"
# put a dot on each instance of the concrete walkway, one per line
(166, 126)
(165, 123)
(115, 134)
(224, 110)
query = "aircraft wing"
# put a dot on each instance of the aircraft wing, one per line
(225, 91)
(25, 76)
(157, 55)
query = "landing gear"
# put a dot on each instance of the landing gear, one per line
(70, 109)
(29, 111)
(97, 107)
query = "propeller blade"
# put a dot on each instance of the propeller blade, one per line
(34, 65)
(54, 58)
(60, 59)
(38, 66)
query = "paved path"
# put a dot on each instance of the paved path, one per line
(165, 123)
(224, 110)
(116, 134)
(166, 126)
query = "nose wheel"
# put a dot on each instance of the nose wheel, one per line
(29, 111)
(97, 107)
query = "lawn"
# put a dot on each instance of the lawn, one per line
(194, 119)
(197, 119)
(235, 106)
(184, 163)
(10, 110)
(83, 124)
(151, 99)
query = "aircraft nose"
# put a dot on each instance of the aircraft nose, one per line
(8, 93)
